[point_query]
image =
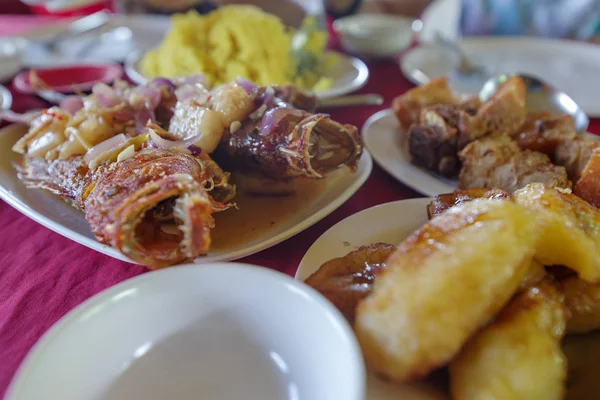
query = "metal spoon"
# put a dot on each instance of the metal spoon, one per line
(541, 96)
(465, 65)
(76, 28)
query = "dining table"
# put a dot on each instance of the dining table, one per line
(44, 275)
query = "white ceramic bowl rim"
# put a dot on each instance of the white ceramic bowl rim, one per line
(337, 320)
(368, 24)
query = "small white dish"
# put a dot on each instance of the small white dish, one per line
(348, 73)
(388, 223)
(568, 65)
(375, 35)
(216, 332)
(240, 230)
(12, 50)
(381, 136)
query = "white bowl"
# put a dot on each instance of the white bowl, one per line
(218, 331)
(375, 35)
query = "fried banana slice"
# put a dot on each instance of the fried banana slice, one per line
(535, 275)
(442, 202)
(569, 229)
(346, 280)
(583, 302)
(518, 356)
(445, 281)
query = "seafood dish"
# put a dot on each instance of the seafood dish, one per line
(495, 144)
(151, 165)
(487, 289)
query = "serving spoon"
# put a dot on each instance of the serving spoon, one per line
(541, 96)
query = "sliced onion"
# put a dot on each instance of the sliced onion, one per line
(248, 86)
(103, 147)
(198, 93)
(161, 82)
(105, 95)
(144, 97)
(191, 80)
(72, 104)
(195, 150)
(163, 143)
(274, 116)
(26, 118)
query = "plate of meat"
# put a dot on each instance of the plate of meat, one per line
(459, 296)
(435, 141)
(168, 172)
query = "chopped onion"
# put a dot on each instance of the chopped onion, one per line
(144, 97)
(26, 118)
(72, 104)
(103, 147)
(248, 86)
(126, 154)
(191, 80)
(163, 143)
(161, 82)
(105, 95)
(274, 116)
(195, 150)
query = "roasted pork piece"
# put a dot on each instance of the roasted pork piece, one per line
(546, 134)
(498, 162)
(346, 280)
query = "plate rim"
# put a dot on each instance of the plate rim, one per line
(365, 161)
(389, 113)
(392, 204)
(131, 71)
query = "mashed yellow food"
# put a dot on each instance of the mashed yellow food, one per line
(236, 41)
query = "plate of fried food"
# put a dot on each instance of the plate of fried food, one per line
(472, 294)
(176, 170)
(245, 41)
(435, 141)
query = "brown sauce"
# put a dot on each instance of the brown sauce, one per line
(258, 215)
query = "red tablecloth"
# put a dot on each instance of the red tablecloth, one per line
(44, 275)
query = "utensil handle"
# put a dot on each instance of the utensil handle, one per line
(81, 25)
(351, 100)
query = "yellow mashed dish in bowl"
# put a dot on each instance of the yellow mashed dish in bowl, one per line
(239, 41)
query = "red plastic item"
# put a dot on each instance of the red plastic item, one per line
(70, 79)
(40, 9)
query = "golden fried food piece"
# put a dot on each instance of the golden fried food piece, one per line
(583, 302)
(442, 202)
(346, 280)
(505, 111)
(569, 229)
(588, 186)
(517, 357)
(408, 106)
(574, 154)
(535, 274)
(445, 281)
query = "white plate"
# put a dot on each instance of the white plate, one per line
(223, 331)
(146, 30)
(55, 214)
(570, 66)
(380, 134)
(348, 73)
(372, 225)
